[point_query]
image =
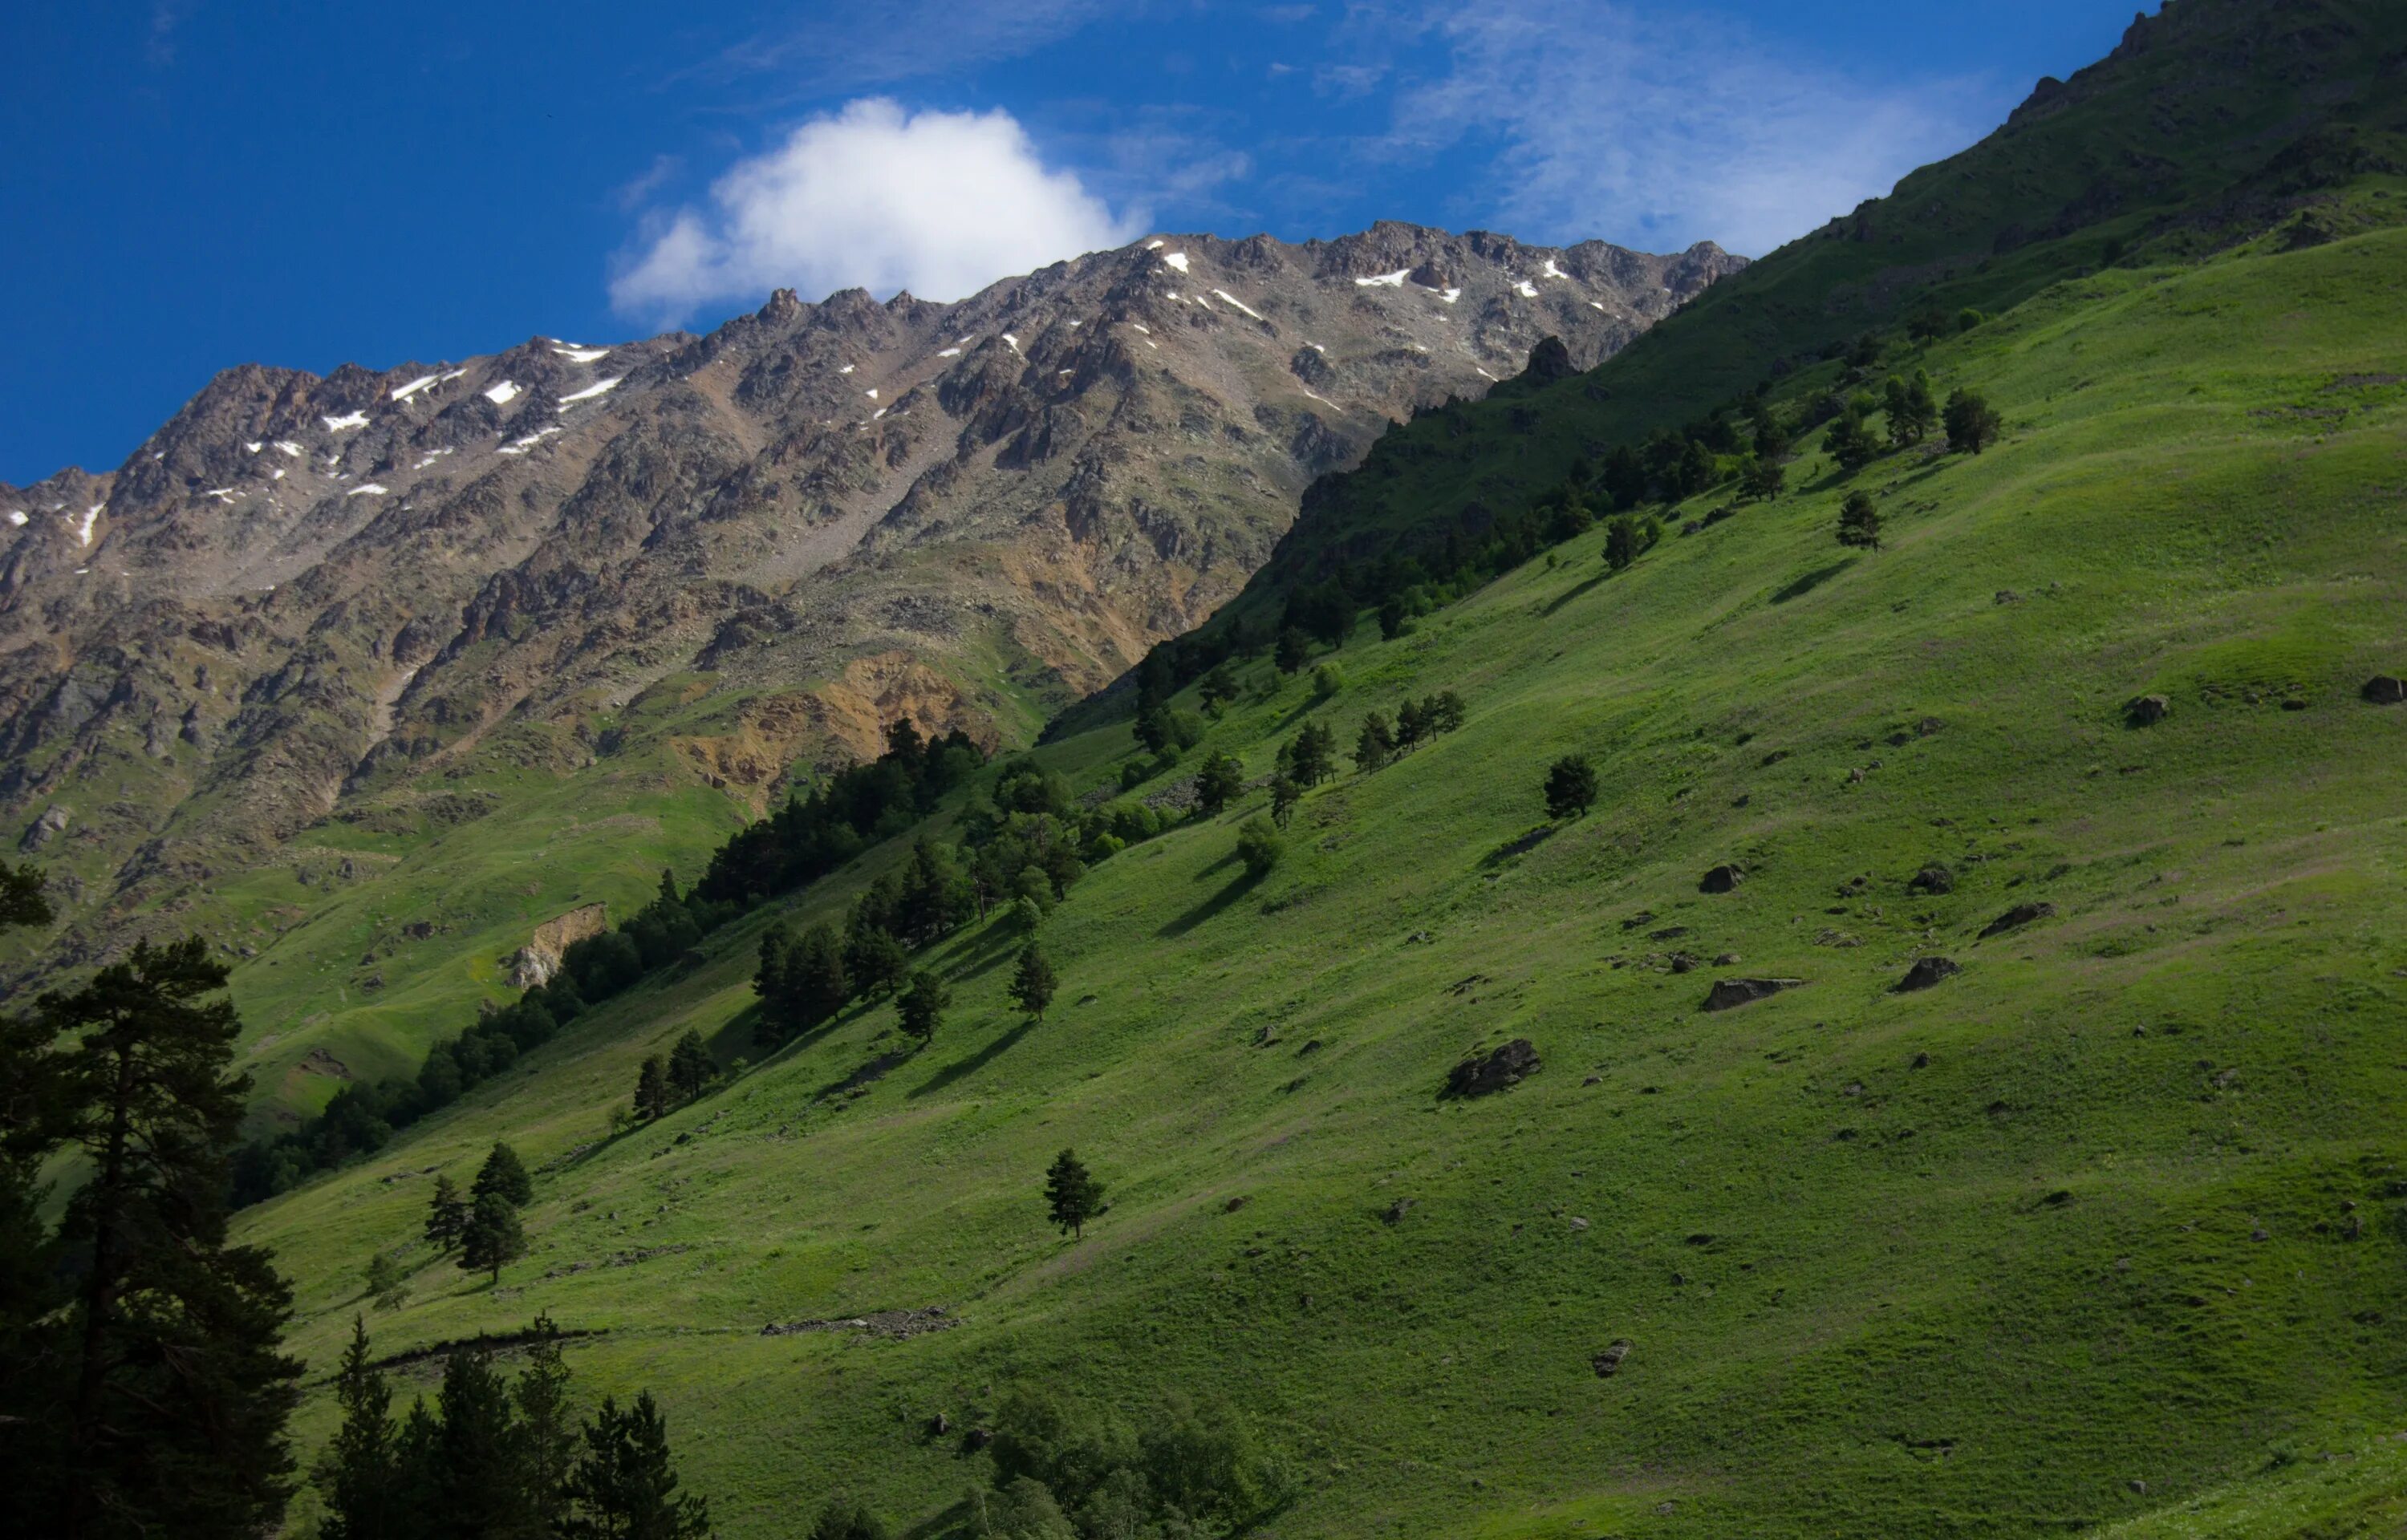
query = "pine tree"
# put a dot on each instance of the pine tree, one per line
(922, 1006)
(494, 1238)
(1571, 786)
(360, 1474)
(1072, 1194)
(815, 977)
(769, 982)
(547, 1431)
(1294, 650)
(479, 1478)
(652, 1089)
(22, 902)
(1849, 441)
(1765, 479)
(1375, 744)
(1973, 424)
(691, 1066)
(1859, 522)
(1217, 687)
(1285, 794)
(874, 960)
(505, 1174)
(1412, 726)
(1443, 712)
(1310, 755)
(447, 1215)
(1032, 982)
(625, 1486)
(1621, 543)
(1218, 782)
(176, 1397)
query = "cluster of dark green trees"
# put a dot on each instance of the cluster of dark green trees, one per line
(858, 807)
(799, 843)
(484, 1225)
(362, 1117)
(662, 1084)
(1066, 1471)
(141, 1387)
(496, 1460)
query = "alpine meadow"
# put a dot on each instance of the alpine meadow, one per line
(1784, 923)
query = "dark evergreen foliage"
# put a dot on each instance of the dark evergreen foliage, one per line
(625, 1486)
(1033, 981)
(141, 1390)
(1072, 1194)
(1571, 786)
(1859, 522)
(504, 1176)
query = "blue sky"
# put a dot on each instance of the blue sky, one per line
(192, 184)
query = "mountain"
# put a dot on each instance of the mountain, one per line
(1946, 1083)
(2210, 123)
(404, 663)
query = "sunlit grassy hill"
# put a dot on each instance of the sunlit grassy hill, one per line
(2101, 1227)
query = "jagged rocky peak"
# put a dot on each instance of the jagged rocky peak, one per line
(309, 596)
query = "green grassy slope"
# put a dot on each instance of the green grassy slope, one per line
(2095, 1239)
(2216, 120)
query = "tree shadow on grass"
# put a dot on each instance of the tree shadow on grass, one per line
(1574, 591)
(1236, 888)
(1799, 587)
(1522, 846)
(971, 1064)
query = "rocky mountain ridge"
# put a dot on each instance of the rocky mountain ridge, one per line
(349, 597)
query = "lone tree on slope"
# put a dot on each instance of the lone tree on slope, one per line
(1073, 1194)
(1973, 423)
(1859, 522)
(1032, 982)
(1571, 786)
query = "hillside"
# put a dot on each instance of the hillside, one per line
(367, 676)
(2097, 1236)
(2211, 124)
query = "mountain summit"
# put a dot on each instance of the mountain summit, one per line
(404, 600)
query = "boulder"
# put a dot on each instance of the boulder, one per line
(1722, 879)
(1550, 360)
(2017, 917)
(1730, 992)
(1608, 1362)
(1932, 879)
(2383, 690)
(1924, 972)
(1478, 1075)
(2143, 711)
(42, 830)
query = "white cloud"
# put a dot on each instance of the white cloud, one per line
(938, 202)
(1662, 130)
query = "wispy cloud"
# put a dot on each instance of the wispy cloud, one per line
(1664, 129)
(159, 44)
(938, 202)
(840, 49)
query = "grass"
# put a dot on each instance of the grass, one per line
(2094, 1237)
